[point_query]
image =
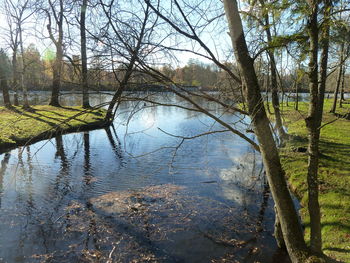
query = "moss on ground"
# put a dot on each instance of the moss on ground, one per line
(334, 175)
(18, 127)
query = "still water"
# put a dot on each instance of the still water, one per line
(137, 193)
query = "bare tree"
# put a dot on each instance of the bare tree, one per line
(122, 41)
(17, 13)
(55, 15)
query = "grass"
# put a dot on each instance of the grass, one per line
(19, 127)
(334, 175)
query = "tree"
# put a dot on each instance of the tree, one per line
(286, 212)
(4, 73)
(122, 50)
(34, 73)
(55, 14)
(266, 8)
(18, 13)
(314, 119)
(14, 19)
(339, 78)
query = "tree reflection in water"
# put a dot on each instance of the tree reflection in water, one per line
(83, 199)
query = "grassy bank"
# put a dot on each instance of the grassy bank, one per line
(334, 175)
(19, 127)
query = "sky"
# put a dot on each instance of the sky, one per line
(182, 57)
(43, 46)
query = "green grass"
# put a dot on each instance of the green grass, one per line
(334, 175)
(18, 126)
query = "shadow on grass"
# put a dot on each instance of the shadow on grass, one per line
(332, 224)
(42, 118)
(23, 113)
(342, 250)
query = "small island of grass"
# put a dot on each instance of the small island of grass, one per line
(20, 127)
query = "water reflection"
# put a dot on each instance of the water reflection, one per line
(4, 163)
(83, 197)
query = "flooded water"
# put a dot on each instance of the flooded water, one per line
(137, 193)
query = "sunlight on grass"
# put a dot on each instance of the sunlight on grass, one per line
(334, 175)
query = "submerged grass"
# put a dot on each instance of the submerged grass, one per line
(334, 174)
(19, 127)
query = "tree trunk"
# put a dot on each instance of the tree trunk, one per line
(116, 97)
(297, 95)
(56, 82)
(274, 84)
(23, 86)
(287, 214)
(336, 91)
(342, 97)
(5, 91)
(314, 119)
(3, 80)
(267, 83)
(278, 232)
(15, 77)
(84, 71)
(57, 68)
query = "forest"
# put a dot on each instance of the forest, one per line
(174, 131)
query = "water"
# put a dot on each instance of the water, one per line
(136, 192)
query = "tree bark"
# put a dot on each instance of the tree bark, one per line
(15, 77)
(278, 231)
(56, 82)
(314, 119)
(297, 85)
(23, 86)
(5, 91)
(342, 97)
(84, 71)
(267, 84)
(4, 78)
(336, 91)
(57, 67)
(287, 214)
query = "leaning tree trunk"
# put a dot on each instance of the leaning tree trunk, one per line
(84, 71)
(288, 216)
(116, 97)
(336, 91)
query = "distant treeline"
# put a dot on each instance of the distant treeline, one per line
(194, 75)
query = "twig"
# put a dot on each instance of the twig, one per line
(109, 260)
